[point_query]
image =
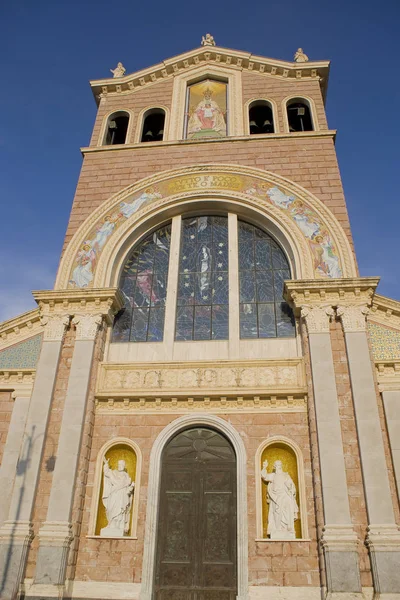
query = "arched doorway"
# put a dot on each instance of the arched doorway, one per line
(196, 557)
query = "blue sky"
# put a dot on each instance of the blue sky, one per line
(50, 49)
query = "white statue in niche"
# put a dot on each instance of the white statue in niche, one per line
(281, 497)
(117, 499)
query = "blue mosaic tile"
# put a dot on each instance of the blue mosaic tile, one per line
(23, 355)
(385, 342)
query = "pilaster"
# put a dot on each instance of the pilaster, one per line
(383, 538)
(56, 309)
(339, 540)
(352, 299)
(56, 534)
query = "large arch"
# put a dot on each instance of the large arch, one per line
(291, 213)
(153, 493)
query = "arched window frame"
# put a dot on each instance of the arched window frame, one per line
(97, 486)
(141, 119)
(104, 126)
(235, 123)
(169, 346)
(305, 100)
(302, 488)
(272, 104)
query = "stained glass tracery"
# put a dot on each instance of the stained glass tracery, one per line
(144, 287)
(263, 268)
(203, 286)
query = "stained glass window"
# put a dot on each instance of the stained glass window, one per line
(203, 287)
(144, 287)
(263, 267)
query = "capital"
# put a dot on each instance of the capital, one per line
(87, 325)
(353, 317)
(317, 318)
(54, 326)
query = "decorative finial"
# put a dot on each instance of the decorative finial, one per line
(208, 40)
(300, 56)
(119, 70)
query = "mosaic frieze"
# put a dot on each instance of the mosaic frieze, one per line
(385, 342)
(320, 243)
(23, 355)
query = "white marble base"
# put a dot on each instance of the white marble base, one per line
(131, 591)
(112, 532)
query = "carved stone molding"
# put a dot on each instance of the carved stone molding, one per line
(231, 59)
(386, 311)
(221, 404)
(383, 538)
(56, 533)
(339, 538)
(87, 326)
(354, 317)
(19, 328)
(388, 375)
(18, 380)
(346, 292)
(204, 378)
(56, 307)
(16, 532)
(317, 318)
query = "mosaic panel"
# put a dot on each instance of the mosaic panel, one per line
(319, 240)
(385, 342)
(23, 355)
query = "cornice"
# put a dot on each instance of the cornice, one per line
(233, 59)
(19, 381)
(262, 138)
(388, 374)
(274, 402)
(385, 311)
(94, 301)
(19, 328)
(330, 292)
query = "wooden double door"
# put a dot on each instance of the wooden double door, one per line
(196, 556)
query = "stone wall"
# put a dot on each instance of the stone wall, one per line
(270, 563)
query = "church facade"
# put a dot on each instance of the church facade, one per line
(206, 405)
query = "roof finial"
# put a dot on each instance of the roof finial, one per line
(119, 70)
(208, 40)
(300, 56)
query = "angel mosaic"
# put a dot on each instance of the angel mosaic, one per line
(88, 254)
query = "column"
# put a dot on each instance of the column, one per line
(383, 536)
(338, 539)
(55, 535)
(234, 300)
(16, 532)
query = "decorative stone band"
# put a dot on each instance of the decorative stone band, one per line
(388, 375)
(56, 533)
(317, 318)
(339, 538)
(87, 307)
(281, 403)
(383, 538)
(203, 377)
